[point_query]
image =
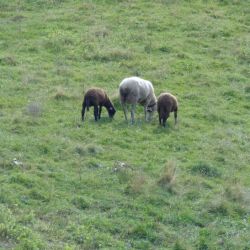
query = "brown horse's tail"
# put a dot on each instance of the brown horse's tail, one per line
(86, 103)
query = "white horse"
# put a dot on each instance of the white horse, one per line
(135, 90)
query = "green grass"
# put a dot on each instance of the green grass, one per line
(112, 185)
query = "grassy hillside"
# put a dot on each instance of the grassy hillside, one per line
(112, 185)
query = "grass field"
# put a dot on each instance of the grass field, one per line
(112, 185)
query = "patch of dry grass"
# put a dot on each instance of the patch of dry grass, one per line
(168, 176)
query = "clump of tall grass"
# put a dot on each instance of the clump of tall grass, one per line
(234, 193)
(60, 94)
(88, 150)
(100, 32)
(231, 202)
(167, 178)
(4, 164)
(206, 170)
(80, 202)
(124, 171)
(219, 206)
(93, 164)
(8, 60)
(34, 109)
(136, 184)
(12, 231)
(114, 54)
(179, 246)
(29, 78)
(17, 18)
(94, 149)
(247, 89)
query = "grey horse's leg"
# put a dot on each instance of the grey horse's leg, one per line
(145, 112)
(133, 113)
(124, 107)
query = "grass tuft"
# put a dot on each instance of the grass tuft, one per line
(60, 94)
(114, 54)
(232, 202)
(11, 231)
(80, 202)
(179, 246)
(18, 18)
(93, 149)
(34, 109)
(80, 150)
(165, 49)
(168, 177)
(234, 193)
(8, 61)
(247, 89)
(101, 32)
(4, 164)
(136, 184)
(88, 150)
(205, 170)
(220, 207)
(93, 164)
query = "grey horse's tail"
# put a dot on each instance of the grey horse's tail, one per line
(123, 94)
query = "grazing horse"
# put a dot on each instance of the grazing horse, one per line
(166, 104)
(135, 90)
(97, 97)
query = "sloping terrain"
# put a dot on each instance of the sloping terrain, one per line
(65, 184)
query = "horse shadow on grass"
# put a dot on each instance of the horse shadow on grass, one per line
(92, 122)
(170, 128)
(118, 123)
